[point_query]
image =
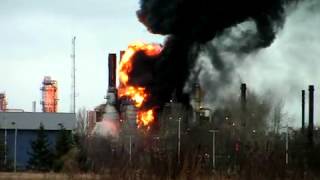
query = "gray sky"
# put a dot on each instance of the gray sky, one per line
(35, 40)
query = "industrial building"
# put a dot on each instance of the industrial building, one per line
(19, 129)
(122, 112)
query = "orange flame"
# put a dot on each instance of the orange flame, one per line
(145, 117)
(136, 93)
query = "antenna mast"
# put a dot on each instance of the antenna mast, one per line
(73, 76)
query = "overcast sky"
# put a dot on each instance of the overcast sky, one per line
(35, 40)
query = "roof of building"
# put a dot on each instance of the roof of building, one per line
(32, 120)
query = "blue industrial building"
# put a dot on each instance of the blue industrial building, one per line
(19, 129)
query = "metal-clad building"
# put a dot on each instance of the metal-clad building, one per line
(26, 125)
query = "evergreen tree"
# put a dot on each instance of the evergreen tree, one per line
(3, 153)
(63, 145)
(41, 155)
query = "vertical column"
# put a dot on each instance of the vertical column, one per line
(112, 70)
(311, 112)
(303, 111)
(243, 102)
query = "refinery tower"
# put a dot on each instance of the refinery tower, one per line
(49, 90)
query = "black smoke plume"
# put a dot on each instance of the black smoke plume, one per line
(190, 24)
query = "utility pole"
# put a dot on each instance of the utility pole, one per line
(213, 147)
(287, 145)
(5, 141)
(73, 76)
(130, 149)
(15, 146)
(179, 138)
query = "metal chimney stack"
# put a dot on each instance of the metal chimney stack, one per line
(311, 111)
(243, 96)
(303, 111)
(112, 89)
(112, 71)
(243, 102)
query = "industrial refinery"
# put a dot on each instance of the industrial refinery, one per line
(125, 103)
(135, 124)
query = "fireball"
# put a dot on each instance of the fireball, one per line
(145, 117)
(137, 94)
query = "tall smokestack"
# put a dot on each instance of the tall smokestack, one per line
(112, 90)
(121, 54)
(303, 111)
(243, 95)
(112, 71)
(311, 111)
(243, 102)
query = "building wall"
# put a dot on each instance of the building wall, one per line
(24, 139)
(32, 120)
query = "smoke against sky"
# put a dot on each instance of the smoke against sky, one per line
(192, 24)
(282, 70)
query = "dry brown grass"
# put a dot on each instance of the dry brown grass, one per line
(132, 175)
(45, 176)
(61, 176)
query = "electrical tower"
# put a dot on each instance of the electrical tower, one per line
(73, 77)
